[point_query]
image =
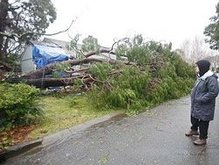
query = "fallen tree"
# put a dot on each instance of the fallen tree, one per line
(44, 78)
(39, 78)
(57, 82)
(51, 67)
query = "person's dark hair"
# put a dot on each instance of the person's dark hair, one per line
(204, 66)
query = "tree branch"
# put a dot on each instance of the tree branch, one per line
(62, 31)
(117, 42)
(100, 51)
(75, 47)
(14, 35)
(49, 68)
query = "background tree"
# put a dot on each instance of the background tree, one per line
(185, 50)
(22, 20)
(90, 44)
(194, 50)
(212, 30)
(198, 49)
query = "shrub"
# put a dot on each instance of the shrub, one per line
(126, 90)
(18, 104)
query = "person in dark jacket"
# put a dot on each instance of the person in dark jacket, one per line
(203, 97)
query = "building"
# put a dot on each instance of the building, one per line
(38, 54)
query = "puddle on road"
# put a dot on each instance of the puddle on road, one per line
(119, 117)
(113, 119)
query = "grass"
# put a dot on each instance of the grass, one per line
(64, 112)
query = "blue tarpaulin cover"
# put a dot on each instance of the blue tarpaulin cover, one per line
(44, 55)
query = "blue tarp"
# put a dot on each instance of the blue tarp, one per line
(44, 55)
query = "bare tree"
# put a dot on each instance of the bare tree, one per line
(185, 50)
(199, 49)
(194, 50)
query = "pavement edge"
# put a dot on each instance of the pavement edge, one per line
(51, 139)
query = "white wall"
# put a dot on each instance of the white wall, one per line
(27, 64)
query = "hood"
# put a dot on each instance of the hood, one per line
(204, 66)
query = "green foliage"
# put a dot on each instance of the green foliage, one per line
(126, 89)
(141, 52)
(182, 68)
(159, 75)
(18, 104)
(77, 84)
(90, 44)
(74, 46)
(101, 71)
(13, 61)
(21, 21)
(121, 50)
(212, 30)
(136, 50)
(138, 54)
(60, 70)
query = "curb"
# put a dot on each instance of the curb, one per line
(58, 137)
(19, 149)
(63, 135)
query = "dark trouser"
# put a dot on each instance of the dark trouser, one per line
(202, 125)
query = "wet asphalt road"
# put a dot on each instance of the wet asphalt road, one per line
(155, 137)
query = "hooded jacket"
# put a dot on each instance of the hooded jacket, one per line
(203, 66)
(203, 96)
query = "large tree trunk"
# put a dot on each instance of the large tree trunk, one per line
(50, 68)
(4, 5)
(38, 79)
(55, 82)
(101, 51)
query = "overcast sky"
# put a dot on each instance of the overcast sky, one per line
(159, 20)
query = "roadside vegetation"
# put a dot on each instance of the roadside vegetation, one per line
(64, 111)
(154, 74)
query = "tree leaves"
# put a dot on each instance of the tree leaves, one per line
(23, 20)
(212, 31)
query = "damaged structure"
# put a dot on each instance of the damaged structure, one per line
(39, 54)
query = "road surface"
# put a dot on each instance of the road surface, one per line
(155, 137)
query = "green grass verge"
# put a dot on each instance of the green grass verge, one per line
(64, 112)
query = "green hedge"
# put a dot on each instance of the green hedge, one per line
(18, 104)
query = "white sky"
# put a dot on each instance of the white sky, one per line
(159, 20)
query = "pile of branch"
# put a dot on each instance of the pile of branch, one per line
(39, 79)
